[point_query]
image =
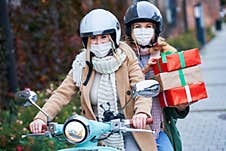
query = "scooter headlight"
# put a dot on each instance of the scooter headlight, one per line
(75, 130)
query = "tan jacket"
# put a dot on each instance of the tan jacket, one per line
(126, 76)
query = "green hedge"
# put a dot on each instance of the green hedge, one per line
(184, 41)
(188, 40)
(12, 128)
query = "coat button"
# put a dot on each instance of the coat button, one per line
(128, 92)
(84, 112)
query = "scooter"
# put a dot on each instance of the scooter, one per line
(85, 133)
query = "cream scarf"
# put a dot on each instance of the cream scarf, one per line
(107, 91)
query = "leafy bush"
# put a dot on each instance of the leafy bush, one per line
(188, 40)
(47, 39)
(12, 130)
(184, 41)
(209, 34)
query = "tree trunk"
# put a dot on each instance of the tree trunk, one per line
(10, 62)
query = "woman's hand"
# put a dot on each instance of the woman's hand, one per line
(38, 126)
(139, 120)
(150, 63)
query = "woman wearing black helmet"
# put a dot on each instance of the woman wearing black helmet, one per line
(103, 72)
(143, 22)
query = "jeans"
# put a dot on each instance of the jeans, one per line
(163, 142)
(130, 143)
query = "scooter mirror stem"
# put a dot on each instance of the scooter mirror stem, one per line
(131, 98)
(40, 109)
(146, 88)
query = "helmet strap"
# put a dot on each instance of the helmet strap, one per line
(89, 63)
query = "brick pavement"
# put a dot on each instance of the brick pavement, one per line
(204, 129)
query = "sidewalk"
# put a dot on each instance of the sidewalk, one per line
(204, 129)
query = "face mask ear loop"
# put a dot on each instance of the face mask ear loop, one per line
(154, 41)
(113, 48)
(135, 42)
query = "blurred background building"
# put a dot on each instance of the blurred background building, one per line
(180, 14)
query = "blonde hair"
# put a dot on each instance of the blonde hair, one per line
(163, 46)
(113, 47)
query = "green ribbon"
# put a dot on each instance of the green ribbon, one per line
(160, 69)
(181, 76)
(164, 54)
(152, 78)
(182, 62)
(164, 60)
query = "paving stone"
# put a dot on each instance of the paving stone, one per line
(204, 129)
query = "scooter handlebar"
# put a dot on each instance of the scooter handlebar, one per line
(148, 121)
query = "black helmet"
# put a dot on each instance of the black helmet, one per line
(140, 12)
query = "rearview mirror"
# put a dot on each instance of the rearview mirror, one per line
(146, 88)
(25, 96)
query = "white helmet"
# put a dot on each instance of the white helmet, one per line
(100, 21)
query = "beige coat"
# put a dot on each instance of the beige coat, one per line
(126, 76)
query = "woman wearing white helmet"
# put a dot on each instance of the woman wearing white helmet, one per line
(143, 22)
(104, 72)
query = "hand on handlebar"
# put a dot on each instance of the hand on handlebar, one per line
(38, 126)
(140, 121)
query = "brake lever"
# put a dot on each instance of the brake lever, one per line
(125, 126)
(47, 134)
(126, 129)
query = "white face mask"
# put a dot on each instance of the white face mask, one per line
(101, 50)
(143, 36)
